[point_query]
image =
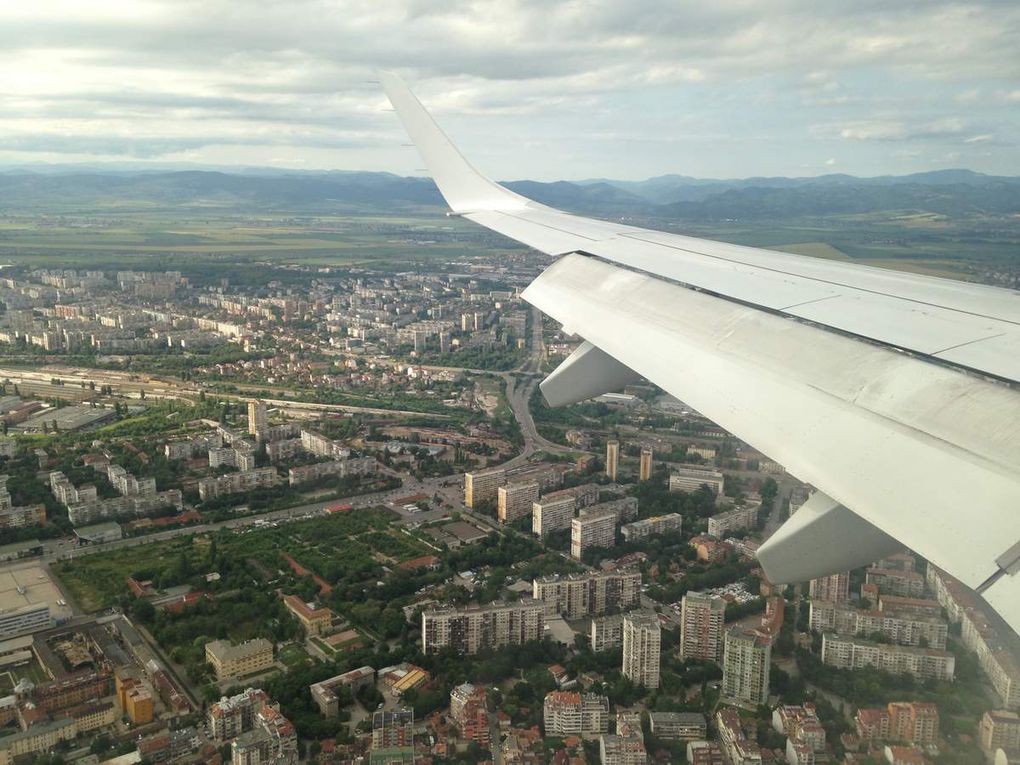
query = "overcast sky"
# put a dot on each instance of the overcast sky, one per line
(529, 89)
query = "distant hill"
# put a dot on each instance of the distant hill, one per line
(955, 193)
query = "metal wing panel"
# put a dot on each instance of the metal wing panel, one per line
(906, 444)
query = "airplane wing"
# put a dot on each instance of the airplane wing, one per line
(896, 395)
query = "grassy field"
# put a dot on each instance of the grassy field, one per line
(324, 241)
(96, 581)
(334, 547)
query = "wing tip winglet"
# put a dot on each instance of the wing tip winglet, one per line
(462, 186)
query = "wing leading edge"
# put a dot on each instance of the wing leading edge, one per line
(803, 359)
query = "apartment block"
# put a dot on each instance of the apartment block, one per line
(258, 420)
(739, 749)
(678, 726)
(659, 524)
(12, 516)
(746, 664)
(482, 486)
(230, 717)
(737, 519)
(891, 581)
(555, 510)
(588, 594)
(702, 621)
(897, 627)
(272, 739)
(1000, 729)
(567, 713)
(642, 640)
(692, 479)
(606, 632)
(645, 465)
(912, 721)
(232, 661)
(854, 653)
(596, 528)
(834, 588)
(612, 458)
(236, 483)
(627, 745)
(353, 466)
(469, 712)
(477, 628)
(551, 514)
(515, 500)
(982, 631)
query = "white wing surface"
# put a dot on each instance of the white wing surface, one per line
(896, 395)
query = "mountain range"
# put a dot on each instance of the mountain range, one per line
(74, 189)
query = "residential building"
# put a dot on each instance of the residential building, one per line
(481, 486)
(804, 731)
(737, 519)
(235, 483)
(233, 661)
(515, 500)
(588, 594)
(645, 466)
(705, 753)
(392, 736)
(834, 588)
(646, 527)
(1000, 729)
(854, 653)
(914, 721)
(315, 620)
(746, 662)
(229, 717)
(899, 628)
(612, 458)
(702, 620)
(257, 420)
(893, 581)
(555, 510)
(342, 468)
(476, 628)
(567, 713)
(982, 631)
(692, 479)
(642, 639)
(627, 746)
(606, 632)
(737, 747)
(272, 739)
(911, 721)
(678, 726)
(548, 514)
(469, 712)
(596, 528)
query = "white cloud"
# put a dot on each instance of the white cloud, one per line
(200, 74)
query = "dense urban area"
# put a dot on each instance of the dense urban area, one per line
(270, 512)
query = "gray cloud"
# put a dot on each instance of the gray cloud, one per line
(172, 76)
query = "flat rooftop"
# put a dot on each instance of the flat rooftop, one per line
(67, 418)
(30, 586)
